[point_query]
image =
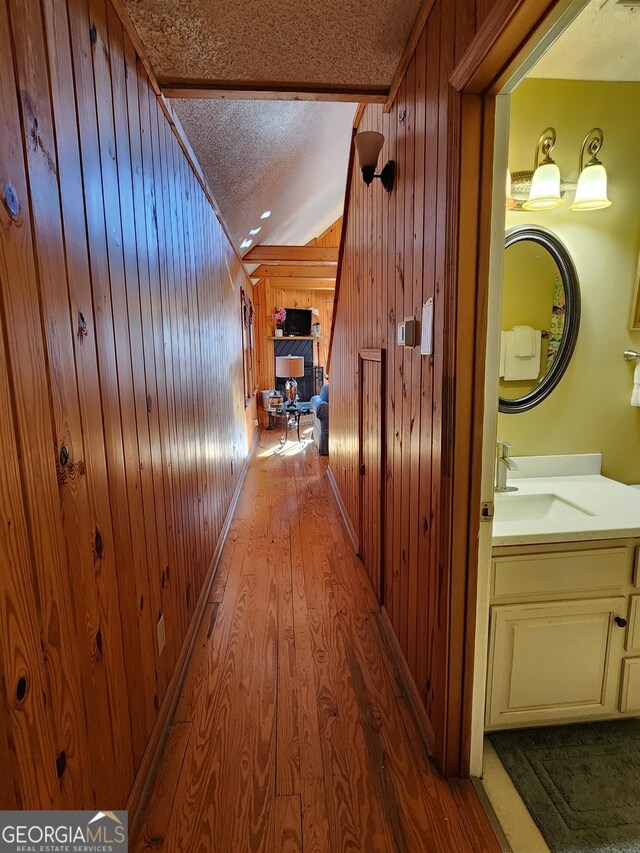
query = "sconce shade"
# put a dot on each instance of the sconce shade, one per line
(369, 145)
(591, 192)
(510, 201)
(545, 188)
(289, 366)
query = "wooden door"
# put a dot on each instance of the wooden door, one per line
(372, 454)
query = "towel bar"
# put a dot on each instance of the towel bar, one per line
(631, 355)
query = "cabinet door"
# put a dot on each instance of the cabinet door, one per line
(554, 662)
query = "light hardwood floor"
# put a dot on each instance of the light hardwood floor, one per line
(292, 732)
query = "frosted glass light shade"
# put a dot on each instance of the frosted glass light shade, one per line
(510, 201)
(591, 192)
(545, 188)
(369, 145)
(289, 366)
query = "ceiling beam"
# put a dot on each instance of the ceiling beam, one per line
(268, 90)
(292, 255)
(325, 272)
(320, 284)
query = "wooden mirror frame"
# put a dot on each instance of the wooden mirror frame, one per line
(559, 252)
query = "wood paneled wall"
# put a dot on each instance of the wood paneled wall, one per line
(121, 391)
(399, 251)
(296, 294)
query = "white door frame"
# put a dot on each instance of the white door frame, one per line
(492, 365)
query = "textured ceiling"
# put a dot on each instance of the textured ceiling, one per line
(332, 42)
(289, 157)
(602, 43)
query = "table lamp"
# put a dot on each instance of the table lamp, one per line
(289, 367)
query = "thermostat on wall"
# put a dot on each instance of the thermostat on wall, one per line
(407, 332)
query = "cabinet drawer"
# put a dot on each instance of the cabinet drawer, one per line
(633, 631)
(630, 692)
(560, 573)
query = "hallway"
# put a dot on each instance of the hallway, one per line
(292, 731)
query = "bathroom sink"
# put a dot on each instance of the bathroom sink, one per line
(515, 507)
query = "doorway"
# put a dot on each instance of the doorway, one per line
(500, 107)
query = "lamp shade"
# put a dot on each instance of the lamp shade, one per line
(289, 366)
(545, 188)
(591, 192)
(369, 145)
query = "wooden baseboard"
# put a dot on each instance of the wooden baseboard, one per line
(351, 531)
(146, 774)
(410, 690)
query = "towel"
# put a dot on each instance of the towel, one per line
(518, 368)
(635, 394)
(525, 341)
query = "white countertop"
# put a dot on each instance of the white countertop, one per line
(615, 511)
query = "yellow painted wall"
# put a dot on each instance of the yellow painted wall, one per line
(589, 411)
(529, 277)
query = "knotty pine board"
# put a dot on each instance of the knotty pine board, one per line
(398, 251)
(120, 308)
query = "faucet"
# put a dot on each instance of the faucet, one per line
(504, 463)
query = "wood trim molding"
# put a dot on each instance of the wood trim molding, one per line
(412, 42)
(371, 354)
(343, 237)
(406, 681)
(326, 284)
(139, 48)
(145, 777)
(174, 123)
(288, 255)
(358, 116)
(323, 273)
(351, 531)
(269, 90)
(500, 42)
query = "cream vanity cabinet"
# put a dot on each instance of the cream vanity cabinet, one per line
(564, 637)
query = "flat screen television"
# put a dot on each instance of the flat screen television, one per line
(298, 322)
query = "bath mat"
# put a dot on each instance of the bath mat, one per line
(580, 783)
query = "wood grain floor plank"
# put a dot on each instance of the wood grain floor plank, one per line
(287, 825)
(301, 740)
(158, 815)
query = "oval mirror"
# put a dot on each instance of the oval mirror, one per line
(540, 316)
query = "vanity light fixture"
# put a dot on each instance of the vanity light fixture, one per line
(369, 145)
(545, 183)
(591, 192)
(510, 200)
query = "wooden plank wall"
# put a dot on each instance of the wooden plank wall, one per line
(123, 418)
(297, 294)
(398, 253)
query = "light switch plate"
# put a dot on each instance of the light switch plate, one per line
(426, 341)
(162, 639)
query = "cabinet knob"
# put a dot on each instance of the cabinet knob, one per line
(620, 622)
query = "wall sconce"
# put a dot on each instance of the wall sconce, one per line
(545, 182)
(369, 145)
(591, 192)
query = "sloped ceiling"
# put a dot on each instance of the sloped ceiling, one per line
(289, 157)
(602, 43)
(332, 42)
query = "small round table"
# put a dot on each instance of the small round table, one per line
(291, 415)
